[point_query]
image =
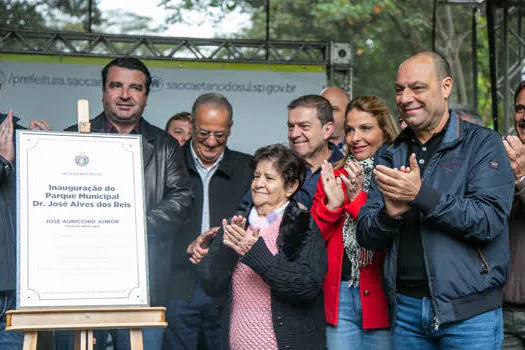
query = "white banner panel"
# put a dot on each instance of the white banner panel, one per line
(44, 88)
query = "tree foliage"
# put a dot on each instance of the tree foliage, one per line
(382, 32)
(71, 15)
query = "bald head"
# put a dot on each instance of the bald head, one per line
(339, 100)
(440, 63)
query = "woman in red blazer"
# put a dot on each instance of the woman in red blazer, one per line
(355, 304)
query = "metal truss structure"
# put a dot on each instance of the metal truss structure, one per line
(337, 61)
(505, 22)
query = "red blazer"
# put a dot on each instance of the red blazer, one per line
(373, 300)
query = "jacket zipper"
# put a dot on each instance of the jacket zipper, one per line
(486, 268)
(435, 323)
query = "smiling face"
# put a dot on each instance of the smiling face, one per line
(269, 191)
(306, 134)
(212, 129)
(124, 97)
(422, 98)
(363, 134)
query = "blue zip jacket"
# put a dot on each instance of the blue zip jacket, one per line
(464, 201)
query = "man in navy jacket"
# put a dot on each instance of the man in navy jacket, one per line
(440, 203)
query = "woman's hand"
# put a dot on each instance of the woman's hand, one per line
(355, 180)
(332, 187)
(237, 238)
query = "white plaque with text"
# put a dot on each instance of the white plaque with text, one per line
(81, 220)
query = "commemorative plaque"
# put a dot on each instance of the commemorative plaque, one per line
(81, 220)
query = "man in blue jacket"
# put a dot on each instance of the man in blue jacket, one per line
(440, 203)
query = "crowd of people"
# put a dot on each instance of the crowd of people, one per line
(359, 234)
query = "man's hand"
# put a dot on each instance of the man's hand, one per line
(199, 247)
(7, 148)
(42, 125)
(516, 153)
(403, 184)
(399, 187)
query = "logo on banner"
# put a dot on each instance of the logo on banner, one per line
(81, 159)
(2, 78)
(156, 83)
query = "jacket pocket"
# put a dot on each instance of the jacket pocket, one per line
(485, 268)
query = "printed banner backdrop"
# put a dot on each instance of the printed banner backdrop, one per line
(48, 87)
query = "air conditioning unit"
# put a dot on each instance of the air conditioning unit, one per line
(341, 53)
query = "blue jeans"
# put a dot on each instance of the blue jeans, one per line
(8, 340)
(187, 319)
(151, 338)
(415, 328)
(349, 332)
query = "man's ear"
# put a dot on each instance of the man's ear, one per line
(328, 130)
(446, 85)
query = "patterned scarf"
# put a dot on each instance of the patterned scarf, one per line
(358, 256)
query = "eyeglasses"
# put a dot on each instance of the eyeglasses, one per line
(218, 135)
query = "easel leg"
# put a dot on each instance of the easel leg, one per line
(89, 339)
(135, 336)
(30, 339)
(81, 340)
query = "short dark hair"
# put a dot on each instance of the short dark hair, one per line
(213, 99)
(184, 116)
(130, 63)
(321, 104)
(520, 87)
(290, 165)
(468, 111)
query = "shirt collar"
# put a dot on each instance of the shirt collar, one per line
(198, 162)
(408, 134)
(109, 128)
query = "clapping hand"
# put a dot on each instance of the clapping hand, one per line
(7, 148)
(355, 181)
(332, 187)
(199, 247)
(516, 153)
(399, 187)
(41, 124)
(236, 237)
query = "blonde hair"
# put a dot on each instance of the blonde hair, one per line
(377, 108)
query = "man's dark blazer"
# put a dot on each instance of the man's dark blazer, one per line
(227, 186)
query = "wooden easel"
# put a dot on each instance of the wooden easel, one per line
(83, 322)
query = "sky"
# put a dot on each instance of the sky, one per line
(203, 28)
